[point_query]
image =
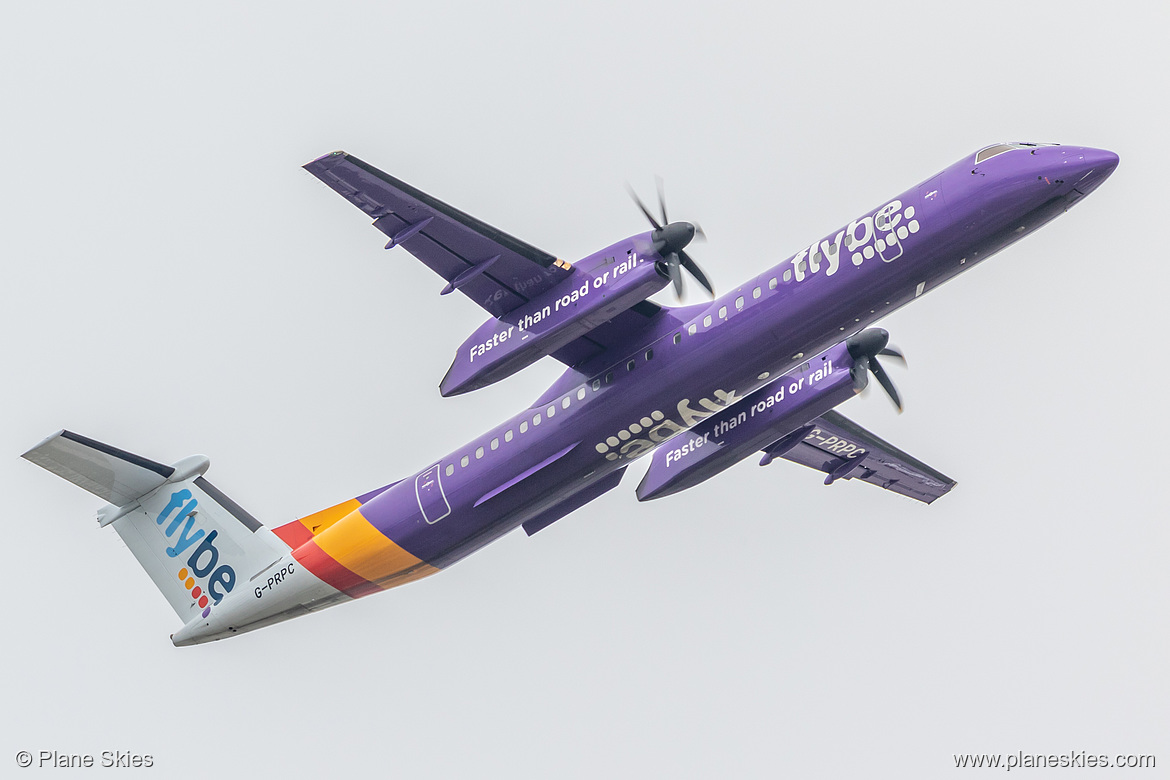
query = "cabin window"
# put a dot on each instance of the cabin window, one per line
(739, 302)
(677, 338)
(772, 283)
(692, 329)
(464, 461)
(802, 267)
(536, 419)
(756, 293)
(551, 410)
(649, 354)
(630, 366)
(787, 275)
(580, 395)
(450, 469)
(524, 426)
(508, 435)
(478, 453)
(596, 385)
(495, 444)
(804, 366)
(565, 403)
(609, 378)
(722, 312)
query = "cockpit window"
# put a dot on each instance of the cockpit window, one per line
(992, 151)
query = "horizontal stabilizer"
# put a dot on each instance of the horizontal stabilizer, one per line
(109, 473)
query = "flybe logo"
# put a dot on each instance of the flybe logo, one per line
(647, 433)
(203, 558)
(878, 235)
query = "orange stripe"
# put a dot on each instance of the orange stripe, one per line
(330, 571)
(364, 550)
(319, 521)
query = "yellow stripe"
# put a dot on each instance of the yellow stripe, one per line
(363, 549)
(319, 521)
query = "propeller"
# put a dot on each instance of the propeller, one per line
(864, 347)
(670, 238)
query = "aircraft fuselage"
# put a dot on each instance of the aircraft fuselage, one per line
(572, 444)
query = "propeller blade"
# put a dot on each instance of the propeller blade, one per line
(696, 272)
(884, 380)
(642, 206)
(699, 233)
(662, 198)
(860, 375)
(895, 353)
(672, 265)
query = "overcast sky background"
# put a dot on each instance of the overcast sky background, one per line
(175, 283)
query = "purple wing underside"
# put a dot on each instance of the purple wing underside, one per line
(623, 330)
(446, 240)
(833, 438)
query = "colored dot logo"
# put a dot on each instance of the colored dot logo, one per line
(889, 237)
(624, 435)
(197, 593)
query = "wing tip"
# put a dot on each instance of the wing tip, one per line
(326, 160)
(42, 443)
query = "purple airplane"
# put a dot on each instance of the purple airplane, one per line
(697, 388)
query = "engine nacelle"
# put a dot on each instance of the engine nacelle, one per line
(763, 417)
(600, 287)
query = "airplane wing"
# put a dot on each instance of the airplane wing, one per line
(490, 267)
(842, 449)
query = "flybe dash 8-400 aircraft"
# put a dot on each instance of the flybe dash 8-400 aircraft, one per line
(695, 388)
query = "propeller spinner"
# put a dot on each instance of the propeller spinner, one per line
(670, 239)
(864, 348)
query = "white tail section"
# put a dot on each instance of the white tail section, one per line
(196, 544)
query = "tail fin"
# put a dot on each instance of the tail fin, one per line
(196, 544)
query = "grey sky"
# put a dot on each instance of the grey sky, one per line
(175, 283)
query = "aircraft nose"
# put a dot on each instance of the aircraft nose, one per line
(1085, 168)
